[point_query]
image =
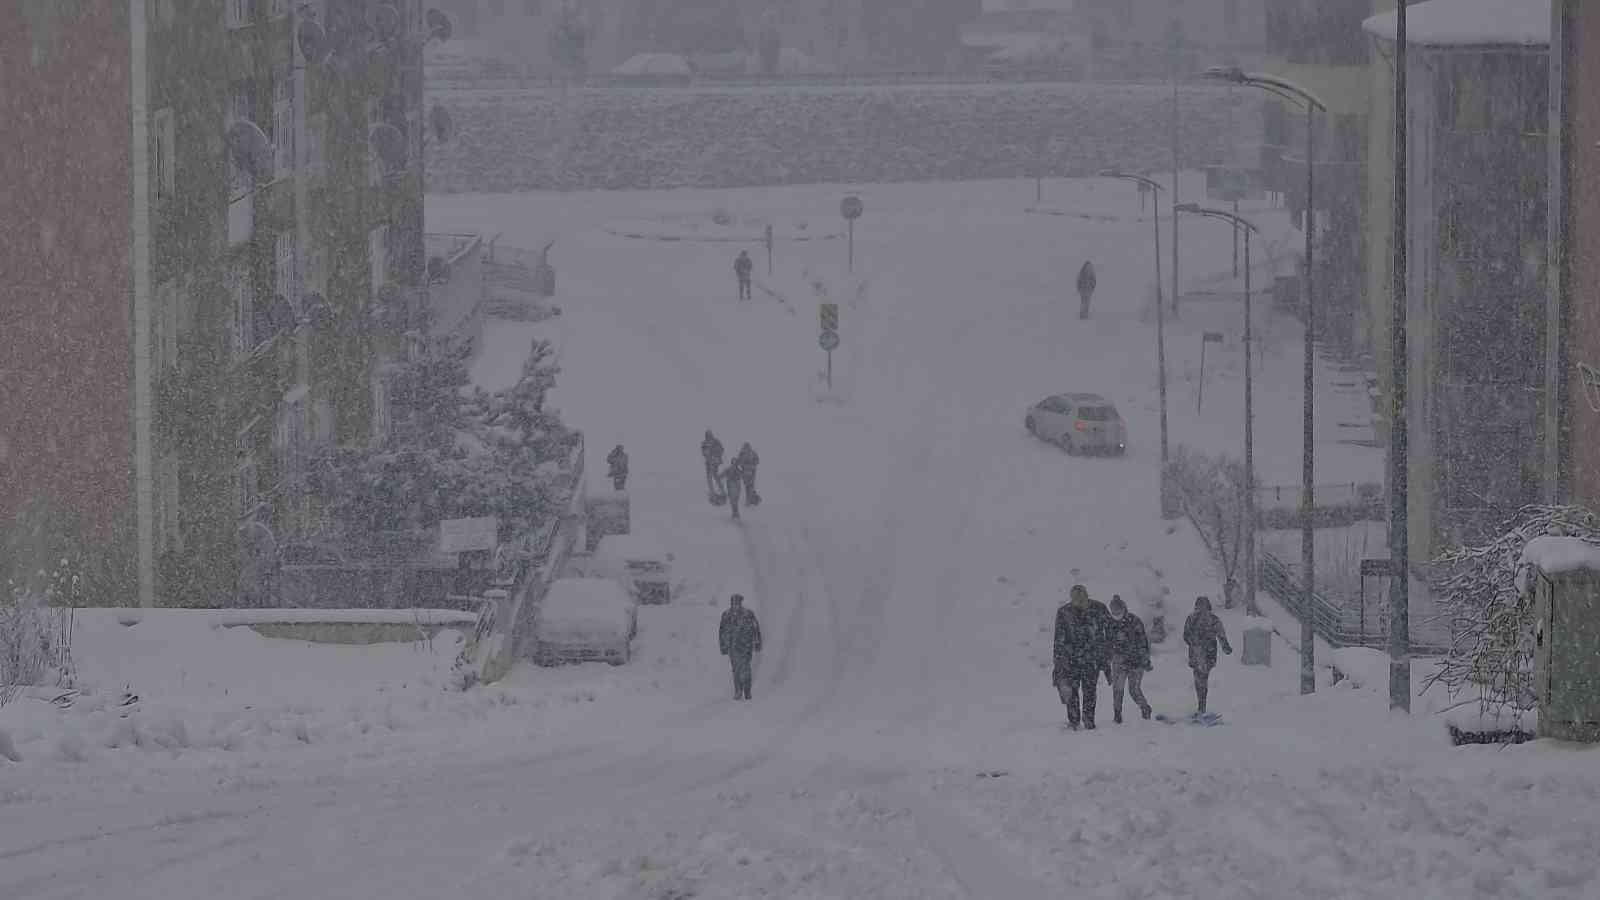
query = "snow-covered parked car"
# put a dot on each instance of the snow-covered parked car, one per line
(1079, 423)
(640, 562)
(585, 620)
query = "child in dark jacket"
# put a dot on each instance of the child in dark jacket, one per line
(1130, 658)
(1203, 632)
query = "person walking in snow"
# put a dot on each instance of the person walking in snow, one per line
(730, 487)
(739, 635)
(1082, 627)
(743, 266)
(711, 452)
(747, 460)
(1203, 632)
(618, 461)
(1130, 658)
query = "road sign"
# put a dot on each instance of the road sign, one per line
(830, 316)
(851, 207)
(1211, 337)
(464, 535)
(828, 340)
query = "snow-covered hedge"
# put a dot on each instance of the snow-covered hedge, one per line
(711, 137)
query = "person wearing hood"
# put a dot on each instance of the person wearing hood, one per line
(618, 461)
(711, 453)
(1082, 627)
(746, 461)
(1130, 658)
(1203, 632)
(730, 486)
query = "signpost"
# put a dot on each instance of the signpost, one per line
(1210, 337)
(828, 340)
(851, 208)
(769, 248)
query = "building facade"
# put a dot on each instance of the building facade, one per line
(240, 307)
(1477, 250)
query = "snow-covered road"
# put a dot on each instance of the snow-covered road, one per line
(911, 546)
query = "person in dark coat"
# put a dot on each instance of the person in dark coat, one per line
(1203, 632)
(711, 452)
(1130, 659)
(743, 266)
(739, 635)
(618, 461)
(747, 460)
(730, 486)
(1082, 628)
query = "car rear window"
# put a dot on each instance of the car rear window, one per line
(1097, 414)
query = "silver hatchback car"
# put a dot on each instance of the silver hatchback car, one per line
(1079, 423)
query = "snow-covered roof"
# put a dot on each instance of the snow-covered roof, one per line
(1558, 555)
(655, 64)
(1470, 23)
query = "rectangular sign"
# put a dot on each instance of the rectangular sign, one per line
(465, 535)
(830, 316)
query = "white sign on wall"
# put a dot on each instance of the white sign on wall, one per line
(465, 535)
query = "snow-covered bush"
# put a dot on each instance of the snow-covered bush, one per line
(35, 643)
(1212, 493)
(1485, 591)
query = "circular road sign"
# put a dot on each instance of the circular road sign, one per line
(828, 340)
(850, 207)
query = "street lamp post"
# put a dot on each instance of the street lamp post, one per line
(1161, 337)
(1240, 224)
(1291, 91)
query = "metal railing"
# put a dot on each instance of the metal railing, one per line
(1327, 616)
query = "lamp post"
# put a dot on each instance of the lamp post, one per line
(1240, 224)
(1399, 364)
(1291, 91)
(1161, 337)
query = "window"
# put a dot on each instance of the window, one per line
(290, 426)
(1096, 414)
(382, 422)
(322, 422)
(314, 143)
(249, 486)
(160, 13)
(378, 257)
(283, 268)
(283, 121)
(240, 106)
(164, 327)
(164, 160)
(242, 294)
(168, 533)
(374, 165)
(236, 13)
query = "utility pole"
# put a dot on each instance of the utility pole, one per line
(1399, 366)
(1174, 184)
(1308, 507)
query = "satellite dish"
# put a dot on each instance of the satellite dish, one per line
(386, 22)
(250, 149)
(439, 25)
(438, 270)
(312, 42)
(390, 145)
(444, 127)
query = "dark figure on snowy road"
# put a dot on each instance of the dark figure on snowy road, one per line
(739, 635)
(730, 486)
(1130, 659)
(618, 461)
(746, 461)
(711, 452)
(743, 266)
(1203, 632)
(1082, 629)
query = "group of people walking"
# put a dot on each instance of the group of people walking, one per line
(724, 484)
(1093, 640)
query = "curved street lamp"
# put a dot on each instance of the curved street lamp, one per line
(1288, 90)
(1155, 188)
(1239, 223)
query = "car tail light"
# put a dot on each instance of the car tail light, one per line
(1081, 425)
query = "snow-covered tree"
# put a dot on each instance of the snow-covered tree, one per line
(1485, 591)
(1213, 494)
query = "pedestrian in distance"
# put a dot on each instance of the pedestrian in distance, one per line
(1203, 632)
(730, 487)
(747, 460)
(1130, 659)
(1082, 629)
(711, 453)
(1086, 285)
(739, 635)
(743, 267)
(618, 461)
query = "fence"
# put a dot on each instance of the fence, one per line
(1278, 505)
(1332, 621)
